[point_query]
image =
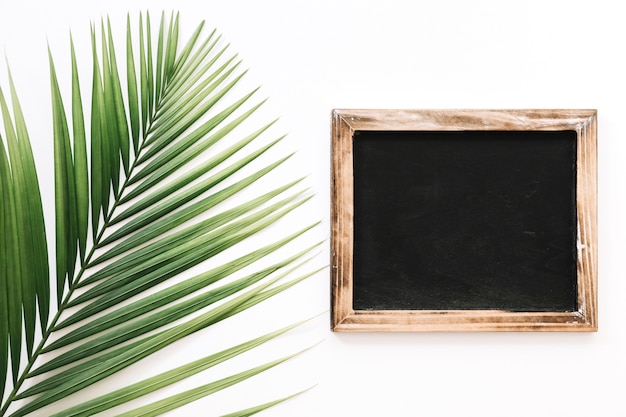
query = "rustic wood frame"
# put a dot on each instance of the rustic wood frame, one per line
(344, 124)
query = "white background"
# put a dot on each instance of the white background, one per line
(311, 57)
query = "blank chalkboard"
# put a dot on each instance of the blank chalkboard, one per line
(464, 220)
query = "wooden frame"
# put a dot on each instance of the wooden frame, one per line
(344, 125)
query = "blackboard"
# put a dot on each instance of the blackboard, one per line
(465, 220)
(474, 218)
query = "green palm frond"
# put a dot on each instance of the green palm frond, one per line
(154, 184)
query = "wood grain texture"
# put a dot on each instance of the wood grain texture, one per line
(344, 125)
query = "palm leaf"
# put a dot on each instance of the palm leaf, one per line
(167, 404)
(10, 317)
(25, 264)
(171, 186)
(81, 169)
(257, 409)
(65, 190)
(165, 379)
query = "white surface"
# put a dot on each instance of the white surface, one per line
(311, 57)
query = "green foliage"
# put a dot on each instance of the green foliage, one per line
(140, 185)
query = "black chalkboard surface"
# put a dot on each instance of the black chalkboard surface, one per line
(465, 220)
